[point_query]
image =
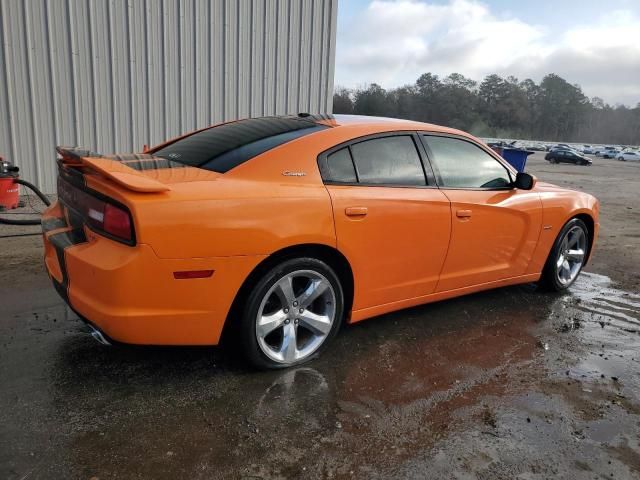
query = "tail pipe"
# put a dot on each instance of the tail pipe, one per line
(98, 335)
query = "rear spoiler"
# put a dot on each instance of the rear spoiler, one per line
(111, 167)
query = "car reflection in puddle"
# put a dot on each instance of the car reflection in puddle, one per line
(514, 366)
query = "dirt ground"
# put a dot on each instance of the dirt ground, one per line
(511, 383)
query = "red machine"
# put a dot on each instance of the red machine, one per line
(9, 188)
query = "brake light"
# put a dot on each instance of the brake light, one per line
(117, 222)
(99, 212)
(107, 217)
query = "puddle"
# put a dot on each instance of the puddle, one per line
(466, 372)
(605, 327)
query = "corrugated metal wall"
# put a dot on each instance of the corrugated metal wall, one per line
(113, 75)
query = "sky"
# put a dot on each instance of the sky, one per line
(594, 43)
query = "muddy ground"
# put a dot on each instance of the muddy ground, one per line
(511, 383)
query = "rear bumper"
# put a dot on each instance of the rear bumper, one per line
(131, 295)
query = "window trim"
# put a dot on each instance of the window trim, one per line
(511, 172)
(427, 171)
(328, 169)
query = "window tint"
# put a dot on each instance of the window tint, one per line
(462, 164)
(228, 145)
(388, 160)
(341, 167)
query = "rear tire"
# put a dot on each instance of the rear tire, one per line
(567, 257)
(291, 314)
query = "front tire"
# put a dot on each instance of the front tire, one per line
(567, 257)
(292, 314)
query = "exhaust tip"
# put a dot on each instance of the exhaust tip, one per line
(97, 335)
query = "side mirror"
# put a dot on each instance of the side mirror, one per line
(524, 181)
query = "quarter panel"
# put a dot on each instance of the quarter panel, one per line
(244, 218)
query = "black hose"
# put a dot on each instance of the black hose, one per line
(42, 196)
(32, 221)
(21, 235)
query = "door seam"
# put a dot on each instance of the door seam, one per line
(446, 256)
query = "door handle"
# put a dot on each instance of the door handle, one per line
(355, 211)
(463, 213)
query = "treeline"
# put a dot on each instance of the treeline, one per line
(553, 110)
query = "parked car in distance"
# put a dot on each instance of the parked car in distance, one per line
(601, 151)
(565, 149)
(278, 230)
(588, 150)
(537, 147)
(629, 155)
(567, 156)
(610, 153)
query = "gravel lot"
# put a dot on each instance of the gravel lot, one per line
(511, 383)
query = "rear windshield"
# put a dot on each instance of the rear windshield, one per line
(226, 146)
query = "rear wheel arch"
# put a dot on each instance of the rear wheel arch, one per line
(329, 255)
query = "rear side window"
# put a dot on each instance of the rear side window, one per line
(226, 146)
(388, 160)
(340, 167)
(461, 164)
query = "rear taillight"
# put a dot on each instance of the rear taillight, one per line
(117, 222)
(99, 212)
(108, 218)
(100, 215)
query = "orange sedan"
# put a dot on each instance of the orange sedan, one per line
(286, 227)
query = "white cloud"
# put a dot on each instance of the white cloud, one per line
(393, 42)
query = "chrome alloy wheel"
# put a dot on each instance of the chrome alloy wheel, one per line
(295, 316)
(571, 255)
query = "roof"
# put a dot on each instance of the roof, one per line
(340, 120)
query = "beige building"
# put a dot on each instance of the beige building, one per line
(114, 75)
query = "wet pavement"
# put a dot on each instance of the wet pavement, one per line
(511, 383)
